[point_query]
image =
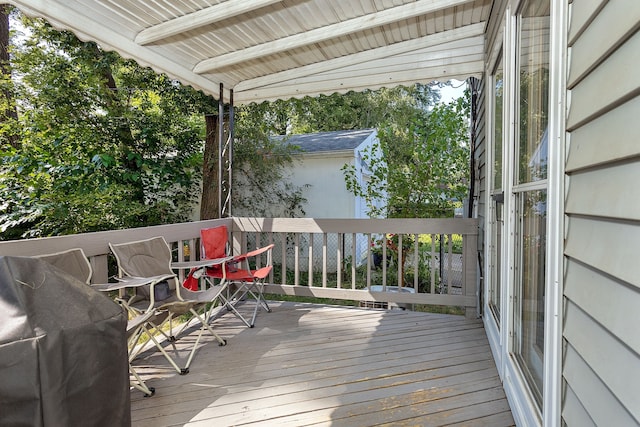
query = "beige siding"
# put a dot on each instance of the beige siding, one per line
(601, 39)
(588, 401)
(607, 86)
(602, 272)
(594, 144)
(582, 16)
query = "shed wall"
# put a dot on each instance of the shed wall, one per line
(327, 195)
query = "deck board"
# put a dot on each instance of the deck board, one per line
(306, 364)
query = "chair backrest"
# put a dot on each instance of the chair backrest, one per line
(72, 261)
(214, 242)
(143, 258)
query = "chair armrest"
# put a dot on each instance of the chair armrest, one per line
(130, 282)
(254, 253)
(262, 273)
(187, 265)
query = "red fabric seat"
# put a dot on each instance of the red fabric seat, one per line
(214, 244)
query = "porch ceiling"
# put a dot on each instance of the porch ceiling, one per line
(278, 49)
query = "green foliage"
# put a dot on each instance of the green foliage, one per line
(261, 185)
(425, 171)
(355, 110)
(104, 143)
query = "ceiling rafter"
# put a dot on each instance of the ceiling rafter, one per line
(420, 7)
(60, 15)
(461, 33)
(207, 16)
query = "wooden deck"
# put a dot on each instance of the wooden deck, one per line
(307, 364)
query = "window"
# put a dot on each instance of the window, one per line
(530, 190)
(497, 195)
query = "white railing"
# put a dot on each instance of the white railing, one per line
(352, 259)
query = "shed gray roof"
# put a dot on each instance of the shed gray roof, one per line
(330, 141)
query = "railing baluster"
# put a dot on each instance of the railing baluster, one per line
(384, 263)
(416, 262)
(449, 264)
(296, 260)
(353, 261)
(433, 263)
(324, 260)
(339, 261)
(284, 259)
(259, 259)
(310, 259)
(400, 267)
(369, 260)
(270, 242)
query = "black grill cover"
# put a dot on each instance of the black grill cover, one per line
(63, 350)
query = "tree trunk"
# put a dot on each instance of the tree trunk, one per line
(209, 206)
(11, 113)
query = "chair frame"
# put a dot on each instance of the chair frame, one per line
(183, 302)
(250, 282)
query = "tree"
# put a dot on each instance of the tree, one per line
(105, 144)
(425, 168)
(8, 111)
(261, 185)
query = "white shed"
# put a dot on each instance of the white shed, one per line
(318, 167)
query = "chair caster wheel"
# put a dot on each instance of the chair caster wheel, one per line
(184, 371)
(223, 343)
(172, 339)
(152, 390)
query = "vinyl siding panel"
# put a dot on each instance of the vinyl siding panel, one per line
(480, 164)
(602, 223)
(588, 400)
(602, 38)
(574, 413)
(610, 84)
(582, 15)
(609, 138)
(596, 294)
(611, 247)
(595, 192)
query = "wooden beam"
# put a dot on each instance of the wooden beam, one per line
(373, 20)
(202, 17)
(461, 33)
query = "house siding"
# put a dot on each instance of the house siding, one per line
(480, 162)
(601, 382)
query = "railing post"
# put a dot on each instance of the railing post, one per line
(469, 253)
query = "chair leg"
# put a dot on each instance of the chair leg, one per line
(164, 352)
(260, 301)
(227, 302)
(254, 289)
(139, 383)
(204, 325)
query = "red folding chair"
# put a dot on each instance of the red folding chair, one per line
(248, 271)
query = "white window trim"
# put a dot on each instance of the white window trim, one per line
(523, 406)
(552, 397)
